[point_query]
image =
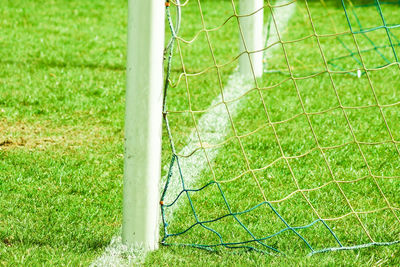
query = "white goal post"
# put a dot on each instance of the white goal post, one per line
(143, 119)
(251, 38)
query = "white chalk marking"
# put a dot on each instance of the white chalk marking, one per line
(214, 125)
(118, 254)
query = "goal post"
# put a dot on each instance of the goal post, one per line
(251, 38)
(143, 122)
(146, 21)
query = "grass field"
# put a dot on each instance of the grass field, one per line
(62, 79)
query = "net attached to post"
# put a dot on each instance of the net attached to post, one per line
(304, 159)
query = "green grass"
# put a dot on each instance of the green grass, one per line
(62, 75)
(62, 80)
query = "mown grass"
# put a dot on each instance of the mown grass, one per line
(62, 73)
(61, 134)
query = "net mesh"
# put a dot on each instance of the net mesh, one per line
(304, 159)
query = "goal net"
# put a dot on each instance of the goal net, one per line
(300, 158)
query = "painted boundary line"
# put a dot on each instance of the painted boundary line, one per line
(213, 127)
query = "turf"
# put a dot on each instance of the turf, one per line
(62, 81)
(61, 128)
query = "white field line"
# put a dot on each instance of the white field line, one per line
(215, 124)
(118, 254)
(213, 128)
